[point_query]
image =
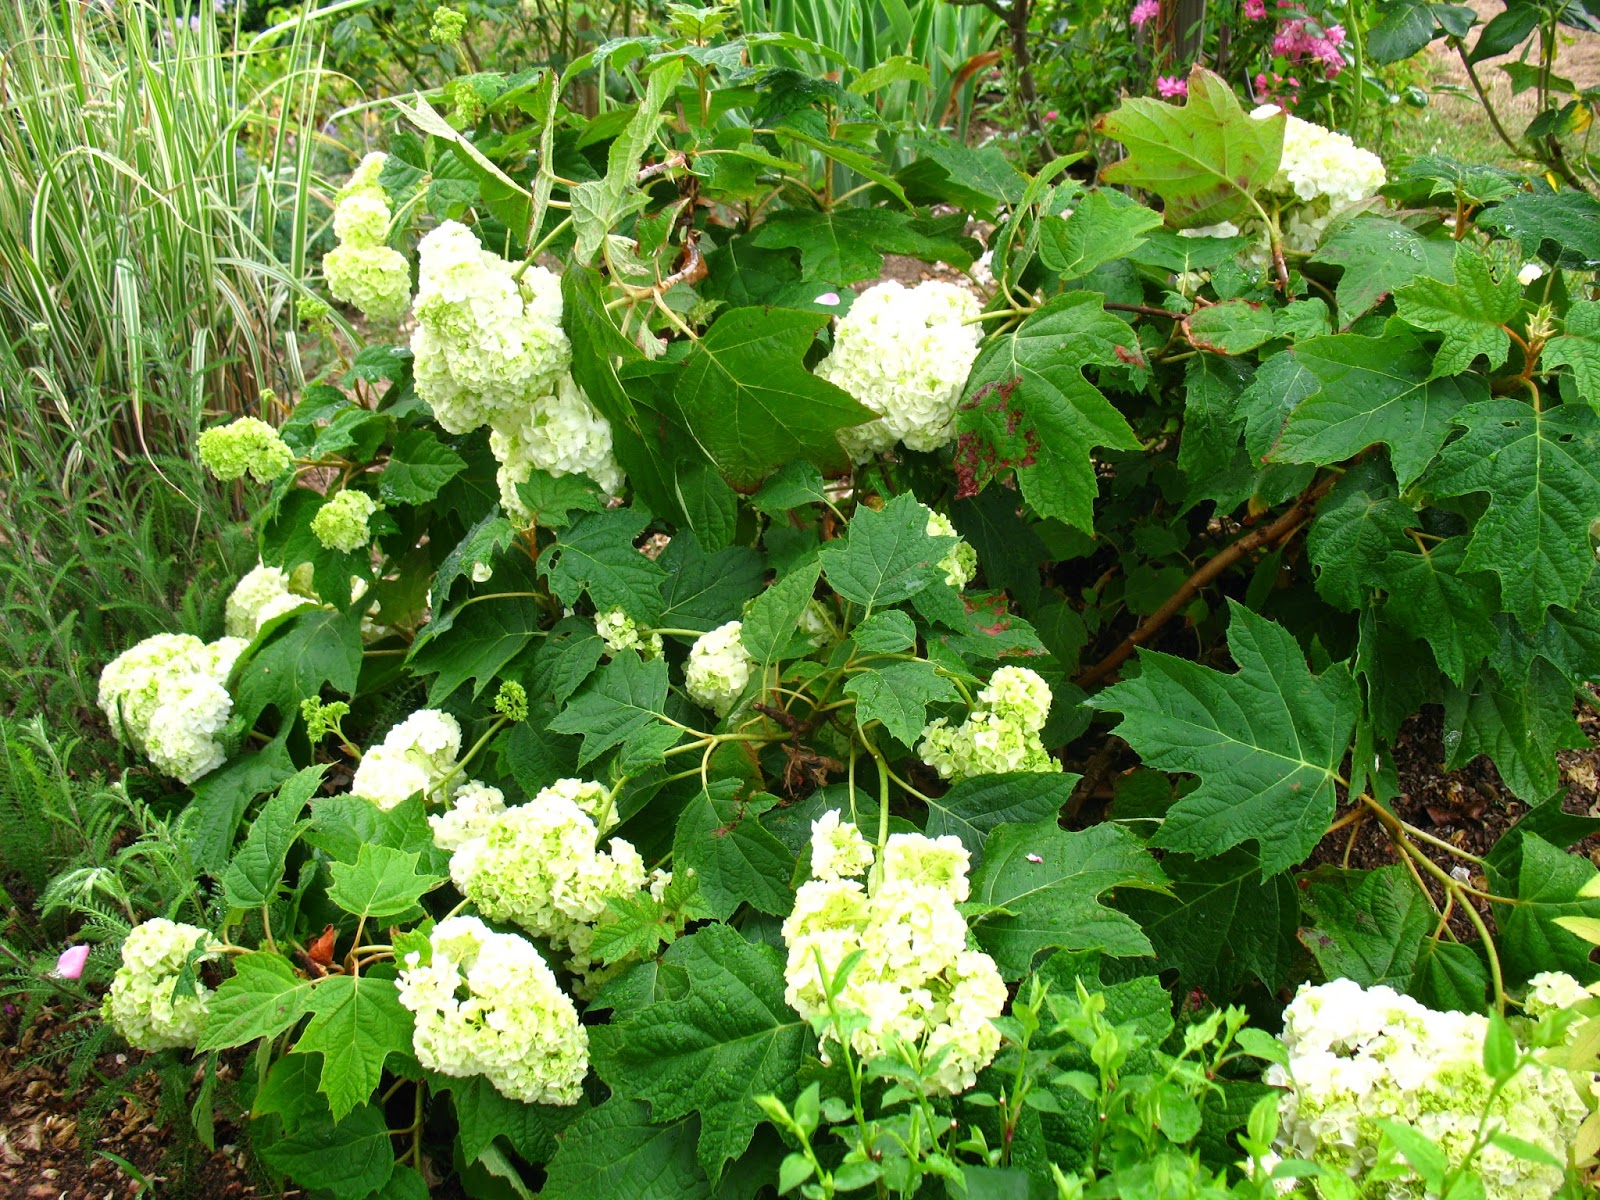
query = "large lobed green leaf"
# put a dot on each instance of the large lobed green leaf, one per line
(1029, 409)
(1040, 888)
(750, 403)
(730, 1039)
(1206, 159)
(1541, 473)
(1267, 742)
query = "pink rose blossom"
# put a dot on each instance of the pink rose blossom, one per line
(70, 964)
(1170, 86)
(1144, 11)
(1051, 115)
(1255, 10)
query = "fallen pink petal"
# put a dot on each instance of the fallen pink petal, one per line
(70, 964)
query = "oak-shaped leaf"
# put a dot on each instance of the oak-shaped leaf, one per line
(1266, 742)
(357, 1023)
(1374, 389)
(746, 396)
(1206, 159)
(1041, 888)
(597, 555)
(1470, 312)
(1541, 472)
(1029, 409)
(730, 1039)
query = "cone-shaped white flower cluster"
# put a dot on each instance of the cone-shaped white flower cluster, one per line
(487, 1004)
(905, 353)
(540, 865)
(1357, 1055)
(718, 668)
(142, 1004)
(1001, 734)
(167, 697)
(490, 350)
(362, 270)
(916, 978)
(486, 341)
(260, 595)
(417, 755)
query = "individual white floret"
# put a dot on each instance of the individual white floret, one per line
(143, 1004)
(487, 338)
(417, 755)
(487, 1004)
(916, 978)
(562, 434)
(261, 594)
(1550, 991)
(904, 353)
(718, 669)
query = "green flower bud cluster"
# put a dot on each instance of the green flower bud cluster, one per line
(341, 523)
(362, 270)
(246, 446)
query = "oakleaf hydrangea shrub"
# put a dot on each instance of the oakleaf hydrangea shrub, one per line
(692, 721)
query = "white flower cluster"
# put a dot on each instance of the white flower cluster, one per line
(904, 353)
(490, 350)
(362, 270)
(341, 523)
(417, 755)
(1001, 734)
(260, 595)
(961, 563)
(1357, 1055)
(561, 433)
(487, 1004)
(540, 866)
(1550, 991)
(1318, 162)
(916, 978)
(141, 1004)
(167, 697)
(718, 669)
(486, 341)
(620, 632)
(1324, 172)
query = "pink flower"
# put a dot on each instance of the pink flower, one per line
(1051, 115)
(70, 964)
(1255, 10)
(1335, 35)
(1144, 11)
(1170, 86)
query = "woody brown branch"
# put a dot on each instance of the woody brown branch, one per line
(1275, 534)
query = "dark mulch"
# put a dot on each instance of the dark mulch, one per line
(54, 1140)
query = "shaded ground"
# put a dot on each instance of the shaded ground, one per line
(55, 1140)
